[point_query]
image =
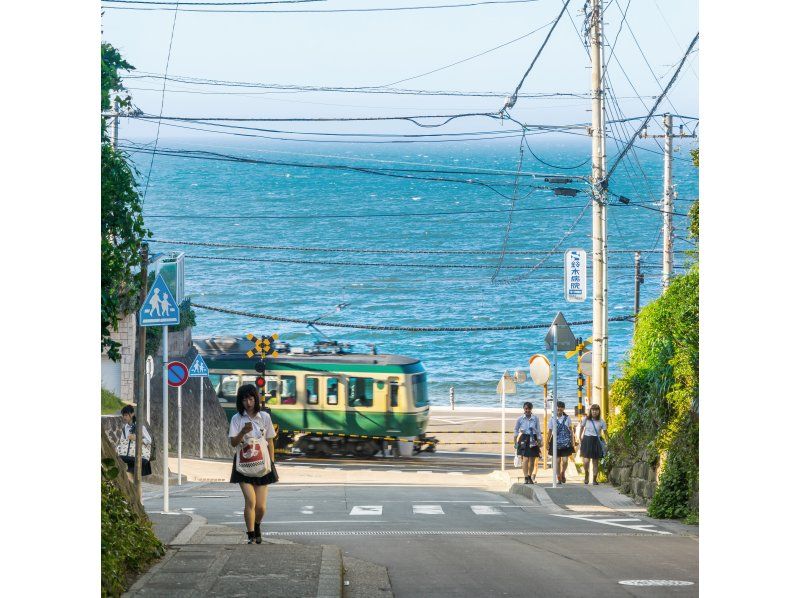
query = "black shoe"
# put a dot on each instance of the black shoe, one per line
(257, 533)
(251, 537)
(528, 479)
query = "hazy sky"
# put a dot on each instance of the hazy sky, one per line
(377, 48)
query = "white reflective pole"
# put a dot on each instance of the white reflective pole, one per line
(554, 418)
(503, 427)
(180, 441)
(202, 384)
(165, 417)
(147, 390)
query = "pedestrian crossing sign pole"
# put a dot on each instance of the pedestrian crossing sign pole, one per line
(199, 369)
(161, 309)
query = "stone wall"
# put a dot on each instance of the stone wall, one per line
(126, 335)
(637, 478)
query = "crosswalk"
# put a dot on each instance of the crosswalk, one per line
(416, 509)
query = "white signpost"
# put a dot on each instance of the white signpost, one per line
(507, 385)
(575, 275)
(161, 309)
(148, 370)
(199, 369)
(559, 338)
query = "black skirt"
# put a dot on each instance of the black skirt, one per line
(524, 449)
(564, 451)
(239, 478)
(131, 462)
(590, 447)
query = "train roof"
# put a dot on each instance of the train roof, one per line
(234, 348)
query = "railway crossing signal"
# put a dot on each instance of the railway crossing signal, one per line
(263, 346)
(579, 351)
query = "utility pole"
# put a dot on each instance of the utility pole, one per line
(599, 313)
(115, 125)
(668, 198)
(638, 279)
(141, 333)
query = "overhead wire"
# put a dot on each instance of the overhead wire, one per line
(317, 11)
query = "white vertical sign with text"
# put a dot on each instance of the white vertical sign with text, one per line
(575, 275)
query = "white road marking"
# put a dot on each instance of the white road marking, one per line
(485, 510)
(424, 471)
(188, 509)
(642, 527)
(323, 521)
(307, 510)
(428, 510)
(367, 510)
(207, 496)
(619, 520)
(455, 473)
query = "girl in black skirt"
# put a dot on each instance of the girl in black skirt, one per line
(251, 422)
(527, 438)
(592, 429)
(129, 431)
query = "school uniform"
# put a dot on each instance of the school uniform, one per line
(262, 428)
(590, 445)
(130, 461)
(528, 444)
(564, 447)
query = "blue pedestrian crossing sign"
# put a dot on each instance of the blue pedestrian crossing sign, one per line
(198, 367)
(160, 307)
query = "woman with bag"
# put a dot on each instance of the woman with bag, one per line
(565, 441)
(527, 438)
(126, 447)
(251, 432)
(592, 445)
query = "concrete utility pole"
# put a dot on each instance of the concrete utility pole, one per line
(638, 278)
(141, 332)
(599, 299)
(668, 199)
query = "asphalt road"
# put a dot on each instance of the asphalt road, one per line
(459, 539)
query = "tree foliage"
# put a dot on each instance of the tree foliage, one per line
(658, 393)
(122, 227)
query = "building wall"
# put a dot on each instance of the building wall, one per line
(118, 377)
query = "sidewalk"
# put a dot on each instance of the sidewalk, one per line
(214, 560)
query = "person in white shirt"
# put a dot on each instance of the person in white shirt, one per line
(592, 448)
(565, 441)
(129, 430)
(527, 438)
(251, 422)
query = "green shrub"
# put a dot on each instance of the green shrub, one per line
(658, 397)
(109, 402)
(127, 542)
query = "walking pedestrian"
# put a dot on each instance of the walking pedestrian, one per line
(252, 423)
(127, 442)
(592, 446)
(527, 438)
(565, 441)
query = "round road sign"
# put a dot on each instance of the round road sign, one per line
(177, 373)
(540, 369)
(585, 364)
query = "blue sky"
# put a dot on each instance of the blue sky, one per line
(352, 49)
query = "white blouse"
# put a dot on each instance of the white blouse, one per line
(261, 422)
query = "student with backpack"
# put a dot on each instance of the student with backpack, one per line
(592, 446)
(565, 441)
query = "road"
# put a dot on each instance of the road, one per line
(443, 526)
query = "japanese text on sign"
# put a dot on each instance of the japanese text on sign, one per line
(575, 275)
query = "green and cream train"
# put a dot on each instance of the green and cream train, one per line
(326, 400)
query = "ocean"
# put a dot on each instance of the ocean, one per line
(234, 202)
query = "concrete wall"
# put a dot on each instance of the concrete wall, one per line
(118, 377)
(636, 478)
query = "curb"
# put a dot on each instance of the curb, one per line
(331, 573)
(188, 532)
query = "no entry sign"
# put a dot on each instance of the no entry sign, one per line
(177, 373)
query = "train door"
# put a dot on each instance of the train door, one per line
(333, 407)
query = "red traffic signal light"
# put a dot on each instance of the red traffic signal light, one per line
(261, 382)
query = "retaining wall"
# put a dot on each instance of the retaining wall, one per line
(637, 478)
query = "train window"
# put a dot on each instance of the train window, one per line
(312, 391)
(394, 391)
(420, 385)
(359, 392)
(288, 390)
(228, 388)
(332, 391)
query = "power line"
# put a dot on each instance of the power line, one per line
(317, 11)
(161, 110)
(366, 250)
(397, 328)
